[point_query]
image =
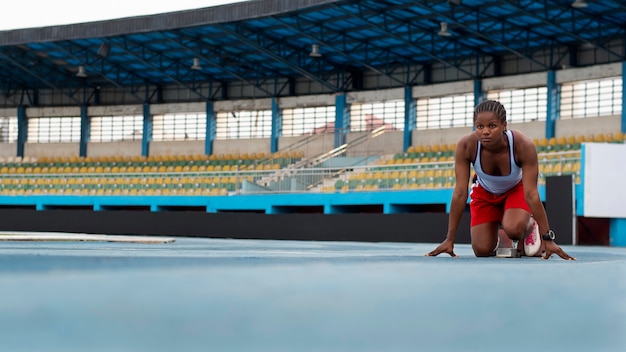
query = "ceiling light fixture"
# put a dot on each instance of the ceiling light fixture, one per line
(579, 4)
(196, 64)
(103, 50)
(315, 51)
(81, 72)
(443, 32)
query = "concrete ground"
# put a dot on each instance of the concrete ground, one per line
(251, 295)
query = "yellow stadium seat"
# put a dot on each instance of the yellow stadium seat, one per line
(618, 137)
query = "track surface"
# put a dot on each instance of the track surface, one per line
(250, 295)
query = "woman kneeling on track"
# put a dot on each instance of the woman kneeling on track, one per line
(504, 192)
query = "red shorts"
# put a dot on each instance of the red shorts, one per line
(487, 207)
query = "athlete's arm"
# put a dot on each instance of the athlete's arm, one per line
(459, 196)
(527, 156)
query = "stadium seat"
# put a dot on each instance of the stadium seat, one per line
(618, 137)
(599, 138)
(541, 145)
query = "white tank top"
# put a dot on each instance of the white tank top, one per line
(499, 184)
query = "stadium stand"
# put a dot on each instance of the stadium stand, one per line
(159, 175)
(421, 167)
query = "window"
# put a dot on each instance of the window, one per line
(178, 127)
(116, 128)
(445, 112)
(523, 105)
(54, 129)
(8, 129)
(312, 120)
(591, 98)
(369, 116)
(244, 124)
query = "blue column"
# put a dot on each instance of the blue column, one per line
(552, 104)
(147, 130)
(22, 130)
(617, 232)
(277, 122)
(342, 119)
(85, 128)
(623, 124)
(410, 117)
(479, 95)
(210, 128)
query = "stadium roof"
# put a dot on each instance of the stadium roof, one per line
(266, 43)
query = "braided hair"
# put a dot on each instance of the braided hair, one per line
(492, 106)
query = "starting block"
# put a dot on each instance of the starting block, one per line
(512, 252)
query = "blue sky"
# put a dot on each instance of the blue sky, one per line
(41, 13)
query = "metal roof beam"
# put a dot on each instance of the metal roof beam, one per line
(175, 80)
(212, 62)
(278, 58)
(326, 45)
(37, 63)
(36, 76)
(419, 50)
(87, 64)
(561, 29)
(480, 35)
(413, 24)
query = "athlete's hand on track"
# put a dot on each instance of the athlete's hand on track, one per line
(446, 246)
(550, 248)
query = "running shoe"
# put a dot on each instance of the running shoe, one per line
(532, 242)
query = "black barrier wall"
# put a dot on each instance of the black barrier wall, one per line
(420, 227)
(560, 207)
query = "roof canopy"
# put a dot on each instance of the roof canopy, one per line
(333, 44)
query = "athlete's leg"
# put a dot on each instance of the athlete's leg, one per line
(484, 238)
(486, 214)
(517, 223)
(503, 239)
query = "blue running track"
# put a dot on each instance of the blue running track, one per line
(251, 295)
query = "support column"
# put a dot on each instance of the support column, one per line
(147, 130)
(552, 104)
(211, 124)
(479, 95)
(85, 128)
(22, 130)
(617, 232)
(410, 117)
(277, 125)
(342, 119)
(623, 122)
